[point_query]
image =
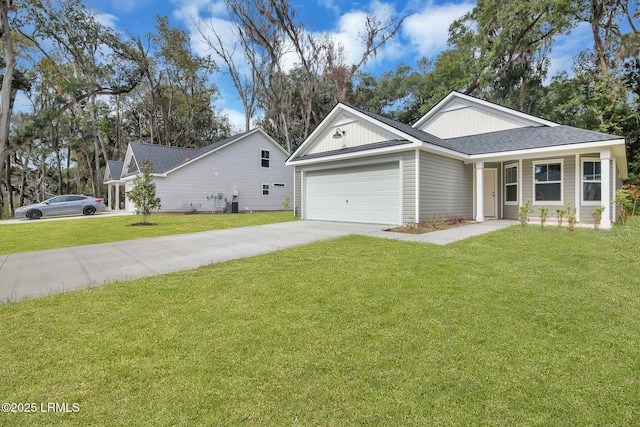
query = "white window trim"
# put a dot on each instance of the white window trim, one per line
(533, 178)
(268, 159)
(582, 181)
(268, 189)
(517, 183)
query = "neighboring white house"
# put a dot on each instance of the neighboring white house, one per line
(466, 157)
(248, 169)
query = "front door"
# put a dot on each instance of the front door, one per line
(490, 182)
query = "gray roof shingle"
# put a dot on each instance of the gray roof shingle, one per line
(526, 138)
(115, 169)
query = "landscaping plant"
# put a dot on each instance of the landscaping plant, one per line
(571, 217)
(597, 216)
(560, 213)
(143, 193)
(544, 211)
(523, 213)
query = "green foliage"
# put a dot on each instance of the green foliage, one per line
(286, 203)
(625, 204)
(560, 213)
(143, 193)
(597, 216)
(571, 217)
(523, 213)
(544, 211)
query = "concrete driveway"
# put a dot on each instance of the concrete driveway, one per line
(34, 274)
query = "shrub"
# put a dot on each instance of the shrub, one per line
(571, 217)
(597, 216)
(544, 211)
(523, 213)
(143, 193)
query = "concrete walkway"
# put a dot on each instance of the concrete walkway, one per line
(34, 274)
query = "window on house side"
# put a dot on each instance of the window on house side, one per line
(265, 189)
(548, 182)
(264, 158)
(511, 184)
(591, 181)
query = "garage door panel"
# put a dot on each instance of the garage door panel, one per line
(368, 193)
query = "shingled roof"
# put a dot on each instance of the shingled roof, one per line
(166, 158)
(115, 169)
(525, 138)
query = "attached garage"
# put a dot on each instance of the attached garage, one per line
(366, 193)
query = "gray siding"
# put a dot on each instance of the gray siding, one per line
(446, 187)
(236, 166)
(297, 203)
(409, 187)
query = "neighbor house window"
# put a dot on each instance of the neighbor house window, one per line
(264, 158)
(591, 180)
(265, 189)
(511, 184)
(548, 181)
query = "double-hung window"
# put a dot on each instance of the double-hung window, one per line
(591, 180)
(264, 158)
(265, 189)
(511, 184)
(547, 177)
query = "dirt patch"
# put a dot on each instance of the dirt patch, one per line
(430, 225)
(138, 224)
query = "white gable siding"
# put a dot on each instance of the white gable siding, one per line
(236, 166)
(458, 120)
(356, 133)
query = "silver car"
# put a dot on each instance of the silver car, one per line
(62, 205)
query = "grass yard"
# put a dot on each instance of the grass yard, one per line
(40, 235)
(519, 327)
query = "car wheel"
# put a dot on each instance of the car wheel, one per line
(89, 210)
(34, 214)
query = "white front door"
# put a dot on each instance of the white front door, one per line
(490, 187)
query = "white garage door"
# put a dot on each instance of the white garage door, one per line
(369, 193)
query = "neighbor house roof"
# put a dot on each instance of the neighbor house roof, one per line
(166, 159)
(115, 170)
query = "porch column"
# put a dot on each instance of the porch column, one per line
(109, 187)
(605, 187)
(117, 197)
(479, 191)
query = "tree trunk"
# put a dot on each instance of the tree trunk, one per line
(7, 81)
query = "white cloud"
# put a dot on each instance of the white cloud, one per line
(236, 119)
(351, 29)
(428, 29)
(106, 19)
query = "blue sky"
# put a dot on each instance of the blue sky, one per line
(423, 33)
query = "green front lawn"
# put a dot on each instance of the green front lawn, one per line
(40, 235)
(519, 327)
